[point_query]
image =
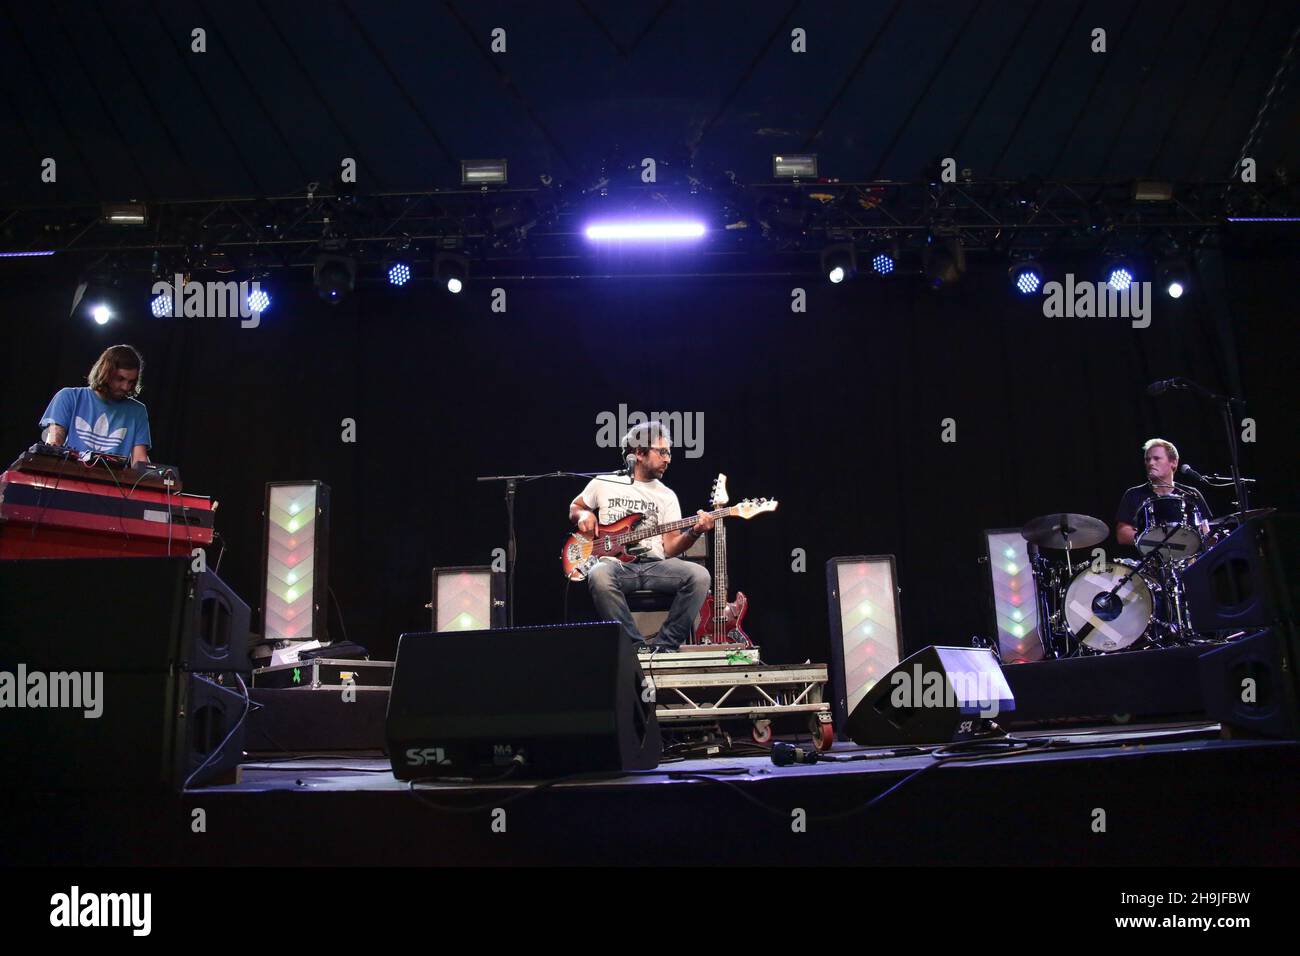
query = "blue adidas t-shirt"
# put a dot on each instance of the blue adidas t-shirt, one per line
(110, 428)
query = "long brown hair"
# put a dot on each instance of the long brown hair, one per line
(116, 357)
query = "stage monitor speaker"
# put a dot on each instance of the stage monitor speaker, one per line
(100, 652)
(120, 615)
(1247, 580)
(97, 731)
(562, 699)
(468, 598)
(936, 696)
(1251, 683)
(1013, 596)
(866, 629)
(295, 562)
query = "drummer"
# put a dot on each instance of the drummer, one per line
(1161, 460)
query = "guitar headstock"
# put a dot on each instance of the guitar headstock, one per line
(755, 506)
(718, 496)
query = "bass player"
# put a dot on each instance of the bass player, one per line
(647, 450)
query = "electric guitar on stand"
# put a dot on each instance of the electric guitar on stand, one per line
(720, 619)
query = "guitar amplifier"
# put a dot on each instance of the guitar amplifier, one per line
(324, 672)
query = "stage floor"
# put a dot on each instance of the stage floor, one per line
(371, 771)
(1150, 795)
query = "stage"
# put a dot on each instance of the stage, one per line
(1166, 794)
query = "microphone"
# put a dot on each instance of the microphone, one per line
(1191, 473)
(629, 464)
(1164, 385)
(784, 754)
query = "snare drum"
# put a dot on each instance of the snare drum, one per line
(1106, 624)
(1171, 524)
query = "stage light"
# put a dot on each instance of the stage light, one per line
(399, 273)
(1026, 276)
(295, 561)
(509, 221)
(125, 214)
(96, 296)
(468, 599)
(802, 166)
(259, 300)
(1015, 619)
(784, 214)
(161, 306)
(1119, 273)
(839, 262)
(644, 231)
(482, 172)
(944, 261)
(334, 276)
(26, 255)
(866, 628)
(1175, 277)
(885, 257)
(452, 269)
(1152, 191)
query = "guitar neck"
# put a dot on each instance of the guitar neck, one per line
(719, 582)
(674, 525)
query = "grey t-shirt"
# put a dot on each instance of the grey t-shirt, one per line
(611, 497)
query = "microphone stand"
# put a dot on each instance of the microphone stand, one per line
(1226, 403)
(512, 487)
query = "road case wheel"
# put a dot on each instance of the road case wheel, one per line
(823, 734)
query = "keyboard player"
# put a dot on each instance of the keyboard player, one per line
(104, 416)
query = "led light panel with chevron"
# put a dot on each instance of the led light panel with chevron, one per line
(290, 584)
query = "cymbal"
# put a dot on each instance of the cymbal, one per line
(1052, 531)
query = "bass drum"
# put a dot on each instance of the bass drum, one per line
(1105, 623)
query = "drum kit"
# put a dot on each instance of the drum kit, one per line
(1105, 605)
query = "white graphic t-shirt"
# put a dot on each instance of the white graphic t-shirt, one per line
(612, 497)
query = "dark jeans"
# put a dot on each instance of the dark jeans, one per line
(611, 581)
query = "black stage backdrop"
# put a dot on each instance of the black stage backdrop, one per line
(837, 412)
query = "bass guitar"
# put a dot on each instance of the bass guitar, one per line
(720, 619)
(581, 552)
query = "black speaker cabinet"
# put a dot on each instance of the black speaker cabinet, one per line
(120, 614)
(564, 700)
(137, 732)
(102, 653)
(1152, 684)
(1251, 684)
(936, 696)
(1249, 579)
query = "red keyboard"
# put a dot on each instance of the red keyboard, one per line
(55, 504)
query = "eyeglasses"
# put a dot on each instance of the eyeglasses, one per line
(664, 452)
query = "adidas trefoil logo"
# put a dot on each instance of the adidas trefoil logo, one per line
(99, 438)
